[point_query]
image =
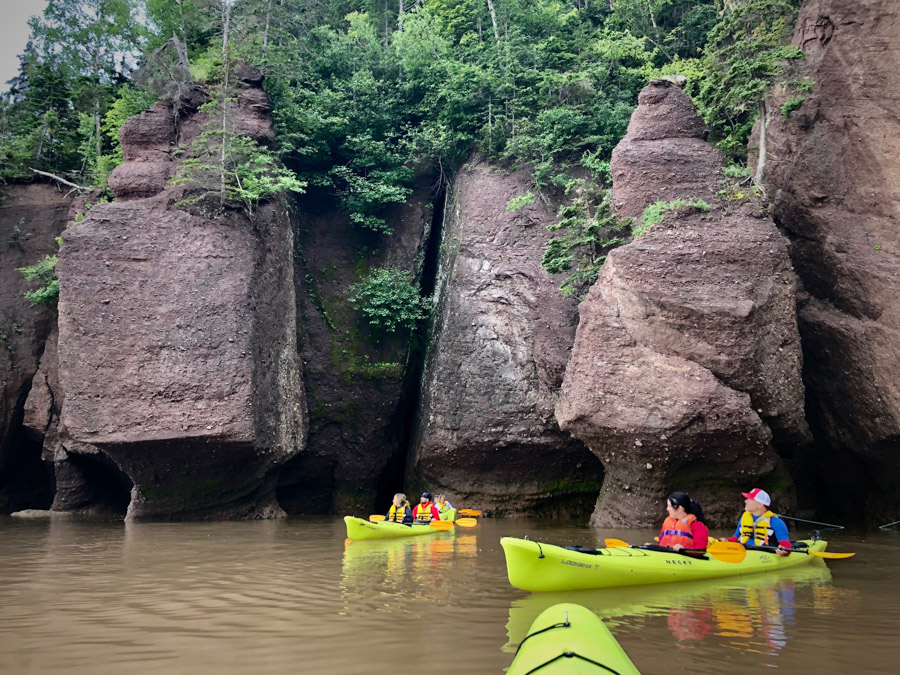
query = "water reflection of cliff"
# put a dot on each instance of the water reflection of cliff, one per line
(384, 575)
(750, 614)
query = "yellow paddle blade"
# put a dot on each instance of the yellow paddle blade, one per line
(829, 555)
(442, 525)
(615, 543)
(727, 551)
(469, 512)
(466, 522)
(376, 519)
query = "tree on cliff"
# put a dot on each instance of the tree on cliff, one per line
(76, 60)
(745, 55)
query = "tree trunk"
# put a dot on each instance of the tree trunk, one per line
(98, 140)
(266, 37)
(761, 161)
(490, 5)
(226, 21)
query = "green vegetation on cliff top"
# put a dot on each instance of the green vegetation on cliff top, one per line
(368, 93)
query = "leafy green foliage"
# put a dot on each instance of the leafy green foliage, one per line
(222, 159)
(656, 213)
(388, 300)
(791, 104)
(736, 171)
(520, 202)
(745, 55)
(588, 231)
(44, 274)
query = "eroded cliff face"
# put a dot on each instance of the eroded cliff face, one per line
(485, 432)
(31, 216)
(354, 378)
(685, 372)
(177, 347)
(833, 175)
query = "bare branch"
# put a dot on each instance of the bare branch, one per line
(80, 188)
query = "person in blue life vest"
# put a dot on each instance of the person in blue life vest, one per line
(442, 503)
(759, 526)
(400, 511)
(685, 527)
(425, 510)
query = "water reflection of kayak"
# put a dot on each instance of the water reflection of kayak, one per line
(373, 572)
(731, 606)
(534, 566)
(569, 639)
(387, 558)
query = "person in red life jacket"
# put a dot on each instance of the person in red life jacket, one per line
(400, 511)
(759, 526)
(425, 510)
(684, 528)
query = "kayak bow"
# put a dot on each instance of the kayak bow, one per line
(568, 639)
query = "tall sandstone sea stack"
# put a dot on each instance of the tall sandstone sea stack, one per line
(177, 354)
(485, 429)
(686, 370)
(833, 175)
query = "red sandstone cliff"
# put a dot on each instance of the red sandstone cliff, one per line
(687, 358)
(31, 216)
(834, 179)
(177, 353)
(485, 429)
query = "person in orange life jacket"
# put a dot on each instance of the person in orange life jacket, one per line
(400, 511)
(684, 528)
(759, 526)
(425, 510)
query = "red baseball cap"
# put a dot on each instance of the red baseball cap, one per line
(759, 495)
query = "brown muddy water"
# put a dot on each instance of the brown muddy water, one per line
(293, 597)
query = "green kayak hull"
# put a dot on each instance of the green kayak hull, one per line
(569, 639)
(359, 529)
(535, 566)
(449, 514)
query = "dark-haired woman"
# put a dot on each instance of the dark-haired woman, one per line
(684, 528)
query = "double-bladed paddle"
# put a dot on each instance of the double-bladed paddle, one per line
(816, 554)
(442, 525)
(723, 551)
(469, 512)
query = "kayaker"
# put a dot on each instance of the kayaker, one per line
(400, 511)
(442, 503)
(425, 510)
(759, 526)
(685, 527)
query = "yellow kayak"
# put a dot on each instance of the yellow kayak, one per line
(535, 566)
(358, 529)
(568, 639)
